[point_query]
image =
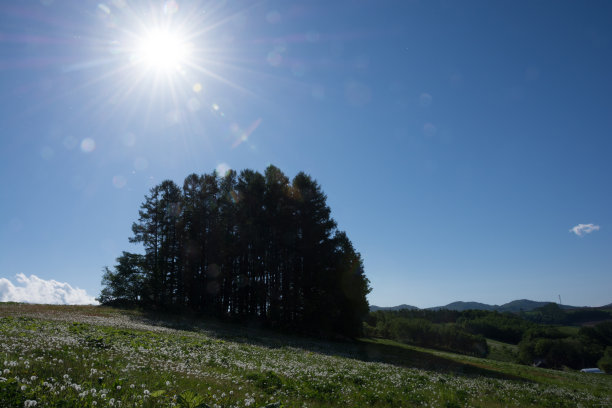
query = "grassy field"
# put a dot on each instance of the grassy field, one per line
(86, 356)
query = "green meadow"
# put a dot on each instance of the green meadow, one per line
(89, 356)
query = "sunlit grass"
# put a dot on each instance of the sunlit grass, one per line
(94, 356)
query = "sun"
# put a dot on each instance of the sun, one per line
(162, 49)
(155, 51)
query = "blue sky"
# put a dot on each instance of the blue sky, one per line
(458, 142)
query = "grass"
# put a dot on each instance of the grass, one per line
(502, 351)
(69, 356)
(568, 330)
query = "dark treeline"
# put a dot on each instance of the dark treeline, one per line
(244, 246)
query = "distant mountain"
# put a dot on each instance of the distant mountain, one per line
(522, 304)
(461, 306)
(374, 308)
(515, 306)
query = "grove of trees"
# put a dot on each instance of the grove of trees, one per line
(557, 349)
(244, 246)
(437, 329)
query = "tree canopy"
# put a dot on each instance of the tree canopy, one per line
(244, 246)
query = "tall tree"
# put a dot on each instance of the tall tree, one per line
(312, 263)
(171, 245)
(226, 233)
(277, 236)
(351, 287)
(148, 231)
(158, 230)
(193, 219)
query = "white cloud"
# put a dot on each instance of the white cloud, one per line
(35, 290)
(582, 229)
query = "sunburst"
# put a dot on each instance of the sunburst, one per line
(162, 49)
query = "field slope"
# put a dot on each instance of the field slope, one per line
(86, 356)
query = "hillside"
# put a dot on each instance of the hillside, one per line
(527, 305)
(86, 356)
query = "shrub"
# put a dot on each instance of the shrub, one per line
(605, 363)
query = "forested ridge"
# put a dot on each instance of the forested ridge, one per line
(244, 246)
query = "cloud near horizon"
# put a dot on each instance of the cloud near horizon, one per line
(36, 290)
(582, 229)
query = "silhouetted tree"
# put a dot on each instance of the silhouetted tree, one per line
(124, 285)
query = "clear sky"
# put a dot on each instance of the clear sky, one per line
(458, 142)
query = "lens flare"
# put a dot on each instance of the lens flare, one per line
(119, 181)
(88, 145)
